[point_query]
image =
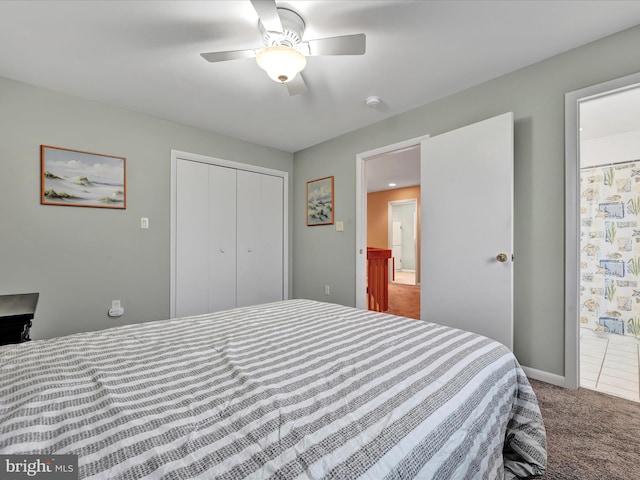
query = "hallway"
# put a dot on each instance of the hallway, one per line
(404, 296)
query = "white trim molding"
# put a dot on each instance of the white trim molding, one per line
(572, 218)
(546, 377)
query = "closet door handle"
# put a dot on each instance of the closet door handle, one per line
(222, 250)
(249, 250)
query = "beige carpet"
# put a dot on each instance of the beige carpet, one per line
(404, 300)
(590, 435)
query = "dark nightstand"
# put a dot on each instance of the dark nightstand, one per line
(16, 313)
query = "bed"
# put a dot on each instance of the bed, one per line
(292, 389)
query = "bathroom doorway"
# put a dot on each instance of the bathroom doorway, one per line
(608, 187)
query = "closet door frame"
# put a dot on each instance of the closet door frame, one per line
(194, 157)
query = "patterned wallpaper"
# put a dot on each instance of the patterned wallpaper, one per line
(610, 248)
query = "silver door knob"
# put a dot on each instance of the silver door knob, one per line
(502, 257)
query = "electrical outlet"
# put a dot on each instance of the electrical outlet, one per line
(115, 303)
(144, 222)
(327, 291)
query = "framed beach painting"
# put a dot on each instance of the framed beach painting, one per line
(320, 206)
(82, 179)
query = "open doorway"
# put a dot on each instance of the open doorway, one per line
(391, 194)
(402, 227)
(474, 277)
(608, 238)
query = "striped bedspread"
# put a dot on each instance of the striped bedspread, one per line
(292, 389)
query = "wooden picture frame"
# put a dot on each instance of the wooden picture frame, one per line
(74, 178)
(320, 206)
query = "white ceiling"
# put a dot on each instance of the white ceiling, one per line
(145, 56)
(610, 114)
(400, 168)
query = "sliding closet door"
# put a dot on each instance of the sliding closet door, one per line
(260, 238)
(192, 238)
(222, 235)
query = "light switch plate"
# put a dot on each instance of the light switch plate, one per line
(339, 226)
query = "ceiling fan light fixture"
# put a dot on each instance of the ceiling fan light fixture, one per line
(281, 63)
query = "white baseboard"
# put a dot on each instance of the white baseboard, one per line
(547, 377)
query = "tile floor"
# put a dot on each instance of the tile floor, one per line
(610, 364)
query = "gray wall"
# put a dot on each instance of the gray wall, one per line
(536, 96)
(80, 259)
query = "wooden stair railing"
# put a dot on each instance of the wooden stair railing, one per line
(378, 279)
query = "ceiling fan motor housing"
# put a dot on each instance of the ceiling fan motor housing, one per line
(292, 30)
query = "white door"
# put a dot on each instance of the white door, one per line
(260, 238)
(272, 261)
(192, 238)
(205, 238)
(467, 218)
(248, 260)
(396, 245)
(228, 234)
(222, 238)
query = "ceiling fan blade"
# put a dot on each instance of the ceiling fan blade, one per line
(297, 85)
(344, 45)
(231, 55)
(268, 13)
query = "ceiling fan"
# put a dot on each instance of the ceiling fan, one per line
(284, 54)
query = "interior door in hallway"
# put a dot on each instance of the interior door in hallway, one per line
(467, 239)
(396, 245)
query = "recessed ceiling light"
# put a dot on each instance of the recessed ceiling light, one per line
(392, 184)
